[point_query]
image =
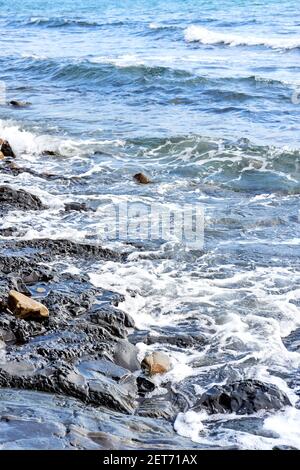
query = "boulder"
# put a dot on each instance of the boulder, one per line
(11, 198)
(141, 178)
(76, 206)
(144, 386)
(6, 149)
(26, 308)
(50, 153)
(244, 397)
(19, 104)
(125, 355)
(157, 363)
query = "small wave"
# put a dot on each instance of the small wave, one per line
(65, 22)
(206, 36)
(160, 26)
(95, 68)
(29, 144)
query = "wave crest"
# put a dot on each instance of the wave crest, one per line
(205, 36)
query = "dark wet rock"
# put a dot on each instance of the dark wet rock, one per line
(82, 333)
(46, 249)
(76, 206)
(7, 232)
(144, 385)
(244, 397)
(26, 308)
(12, 199)
(141, 178)
(16, 331)
(125, 355)
(19, 104)
(156, 363)
(91, 369)
(284, 447)
(292, 341)
(11, 168)
(35, 420)
(178, 340)
(63, 379)
(6, 149)
(22, 269)
(50, 153)
(115, 319)
(138, 336)
(165, 406)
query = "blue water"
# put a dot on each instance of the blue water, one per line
(205, 98)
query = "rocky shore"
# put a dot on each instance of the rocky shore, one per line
(70, 372)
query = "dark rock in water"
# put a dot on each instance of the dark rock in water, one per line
(11, 199)
(19, 104)
(35, 420)
(284, 447)
(179, 340)
(165, 406)
(71, 352)
(141, 178)
(7, 232)
(243, 397)
(46, 249)
(10, 167)
(114, 319)
(76, 206)
(6, 149)
(144, 386)
(63, 379)
(292, 341)
(50, 153)
(125, 355)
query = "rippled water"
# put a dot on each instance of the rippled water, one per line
(198, 95)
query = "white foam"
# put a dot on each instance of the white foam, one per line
(205, 36)
(25, 142)
(126, 60)
(286, 425)
(190, 424)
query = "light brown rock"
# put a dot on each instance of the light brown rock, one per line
(141, 178)
(157, 363)
(24, 307)
(1, 156)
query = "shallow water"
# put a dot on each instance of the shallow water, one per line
(199, 96)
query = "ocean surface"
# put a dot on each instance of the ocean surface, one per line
(204, 97)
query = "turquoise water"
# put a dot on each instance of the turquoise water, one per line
(204, 97)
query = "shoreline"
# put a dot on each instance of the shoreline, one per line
(85, 350)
